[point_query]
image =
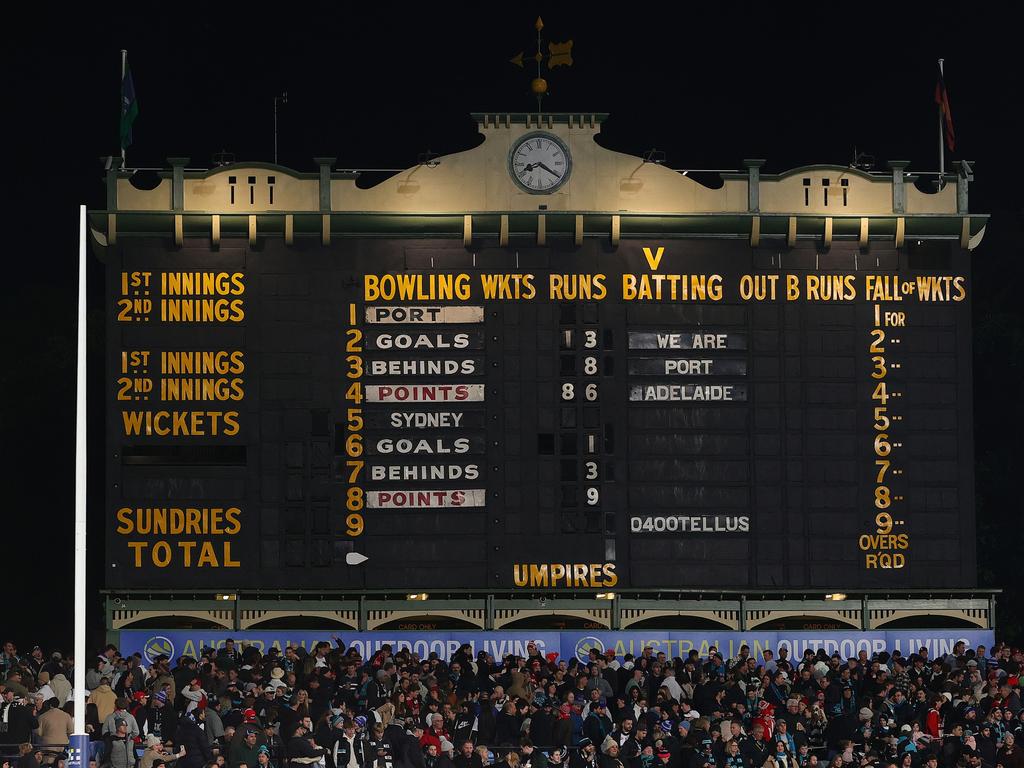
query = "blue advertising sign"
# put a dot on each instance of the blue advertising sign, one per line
(845, 643)
(568, 645)
(174, 643)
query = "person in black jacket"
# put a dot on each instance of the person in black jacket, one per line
(347, 747)
(192, 737)
(408, 751)
(463, 726)
(542, 724)
(598, 724)
(329, 733)
(952, 746)
(302, 752)
(755, 749)
(467, 757)
(161, 719)
(379, 748)
(17, 721)
(486, 722)
(585, 756)
(507, 725)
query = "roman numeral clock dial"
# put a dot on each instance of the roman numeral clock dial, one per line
(539, 163)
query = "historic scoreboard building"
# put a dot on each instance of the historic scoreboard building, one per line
(539, 381)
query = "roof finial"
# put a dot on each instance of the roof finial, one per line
(559, 54)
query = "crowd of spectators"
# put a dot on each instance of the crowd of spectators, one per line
(327, 707)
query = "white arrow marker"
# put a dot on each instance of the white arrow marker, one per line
(355, 558)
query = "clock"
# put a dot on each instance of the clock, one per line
(539, 163)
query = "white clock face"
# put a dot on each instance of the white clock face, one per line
(539, 163)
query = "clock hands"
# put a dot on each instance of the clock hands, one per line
(530, 166)
(541, 165)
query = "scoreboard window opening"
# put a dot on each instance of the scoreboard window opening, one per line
(270, 550)
(179, 455)
(294, 553)
(567, 418)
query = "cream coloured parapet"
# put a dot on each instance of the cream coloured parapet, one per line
(477, 181)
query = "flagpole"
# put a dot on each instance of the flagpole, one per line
(78, 749)
(124, 68)
(942, 142)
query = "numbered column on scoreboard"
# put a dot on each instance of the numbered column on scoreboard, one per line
(414, 439)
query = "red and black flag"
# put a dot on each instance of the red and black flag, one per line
(942, 99)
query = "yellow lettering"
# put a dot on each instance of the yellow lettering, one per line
(628, 287)
(161, 554)
(539, 574)
(579, 574)
(654, 258)
(137, 547)
(610, 577)
(520, 575)
(124, 518)
(792, 287)
(207, 556)
(557, 573)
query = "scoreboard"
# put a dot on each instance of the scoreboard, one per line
(659, 413)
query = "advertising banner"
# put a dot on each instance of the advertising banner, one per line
(568, 645)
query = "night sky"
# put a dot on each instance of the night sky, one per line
(377, 89)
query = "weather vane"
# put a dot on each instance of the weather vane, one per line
(559, 55)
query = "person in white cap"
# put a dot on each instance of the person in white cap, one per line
(155, 751)
(444, 758)
(276, 678)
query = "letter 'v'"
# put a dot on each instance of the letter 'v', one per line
(654, 259)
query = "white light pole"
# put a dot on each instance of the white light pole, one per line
(78, 749)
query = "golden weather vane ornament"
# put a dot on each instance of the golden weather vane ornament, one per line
(559, 55)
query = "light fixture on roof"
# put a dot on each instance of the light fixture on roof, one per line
(605, 595)
(429, 159)
(417, 596)
(656, 156)
(862, 161)
(836, 596)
